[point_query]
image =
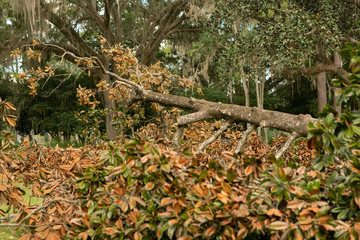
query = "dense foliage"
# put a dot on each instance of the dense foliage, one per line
(143, 186)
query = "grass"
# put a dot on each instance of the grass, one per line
(11, 232)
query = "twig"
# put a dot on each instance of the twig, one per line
(31, 226)
(45, 206)
(214, 136)
(241, 143)
(286, 145)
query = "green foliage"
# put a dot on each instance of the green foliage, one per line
(141, 191)
(92, 127)
(53, 109)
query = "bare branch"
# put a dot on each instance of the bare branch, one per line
(317, 69)
(178, 135)
(214, 136)
(287, 144)
(98, 20)
(64, 26)
(45, 206)
(193, 117)
(244, 136)
(130, 84)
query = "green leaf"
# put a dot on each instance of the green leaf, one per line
(343, 214)
(91, 207)
(356, 129)
(230, 176)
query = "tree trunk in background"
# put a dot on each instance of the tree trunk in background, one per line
(259, 86)
(337, 62)
(321, 90)
(245, 84)
(320, 81)
(111, 131)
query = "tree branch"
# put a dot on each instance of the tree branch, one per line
(68, 52)
(100, 22)
(306, 71)
(244, 136)
(287, 144)
(214, 136)
(45, 206)
(65, 28)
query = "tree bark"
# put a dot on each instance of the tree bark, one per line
(245, 84)
(320, 81)
(321, 90)
(337, 62)
(211, 110)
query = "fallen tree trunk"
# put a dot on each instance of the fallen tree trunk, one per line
(204, 110)
(201, 109)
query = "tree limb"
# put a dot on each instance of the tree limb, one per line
(65, 28)
(100, 22)
(306, 71)
(214, 136)
(244, 136)
(287, 144)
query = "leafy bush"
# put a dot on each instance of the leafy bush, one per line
(142, 192)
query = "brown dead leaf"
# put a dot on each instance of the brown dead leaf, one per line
(278, 225)
(274, 212)
(173, 221)
(166, 201)
(151, 168)
(26, 236)
(197, 189)
(210, 231)
(137, 236)
(3, 187)
(53, 236)
(223, 198)
(66, 167)
(149, 186)
(110, 231)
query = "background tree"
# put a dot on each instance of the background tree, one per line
(281, 40)
(142, 25)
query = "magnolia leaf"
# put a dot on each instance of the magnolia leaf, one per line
(151, 168)
(3, 187)
(197, 189)
(173, 221)
(223, 198)
(149, 186)
(53, 236)
(210, 231)
(278, 225)
(26, 236)
(110, 231)
(137, 236)
(10, 120)
(274, 212)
